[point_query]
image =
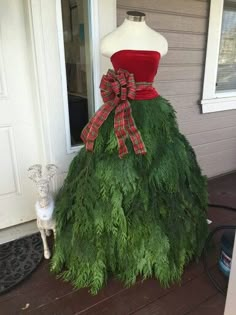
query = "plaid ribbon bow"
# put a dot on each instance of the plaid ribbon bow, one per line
(116, 90)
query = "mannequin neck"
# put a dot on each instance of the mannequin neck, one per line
(134, 25)
(135, 16)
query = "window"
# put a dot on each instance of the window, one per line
(219, 89)
(77, 58)
(226, 75)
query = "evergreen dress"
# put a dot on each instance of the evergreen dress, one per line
(134, 201)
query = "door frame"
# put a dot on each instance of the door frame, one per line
(103, 15)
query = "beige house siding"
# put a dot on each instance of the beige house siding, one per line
(180, 78)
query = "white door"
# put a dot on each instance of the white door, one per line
(19, 141)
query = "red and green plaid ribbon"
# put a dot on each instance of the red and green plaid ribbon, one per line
(116, 90)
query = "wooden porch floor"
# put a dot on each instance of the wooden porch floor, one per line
(43, 294)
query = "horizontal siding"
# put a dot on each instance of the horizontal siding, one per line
(186, 40)
(183, 57)
(179, 72)
(186, 115)
(216, 147)
(214, 164)
(178, 87)
(180, 102)
(212, 136)
(172, 22)
(201, 125)
(177, 7)
(180, 78)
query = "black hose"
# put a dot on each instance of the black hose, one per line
(222, 207)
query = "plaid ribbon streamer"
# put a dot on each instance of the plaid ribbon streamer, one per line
(116, 90)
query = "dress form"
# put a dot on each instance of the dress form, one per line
(113, 211)
(133, 34)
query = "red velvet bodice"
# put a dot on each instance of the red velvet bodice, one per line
(143, 64)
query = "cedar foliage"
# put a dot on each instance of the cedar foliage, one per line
(140, 215)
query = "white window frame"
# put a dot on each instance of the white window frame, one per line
(213, 101)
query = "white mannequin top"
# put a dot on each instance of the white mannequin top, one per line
(133, 35)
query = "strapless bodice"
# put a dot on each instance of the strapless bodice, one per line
(142, 63)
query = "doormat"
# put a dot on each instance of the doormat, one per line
(18, 259)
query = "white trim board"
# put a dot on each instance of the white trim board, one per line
(35, 25)
(218, 104)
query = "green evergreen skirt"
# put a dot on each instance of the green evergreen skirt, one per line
(140, 215)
